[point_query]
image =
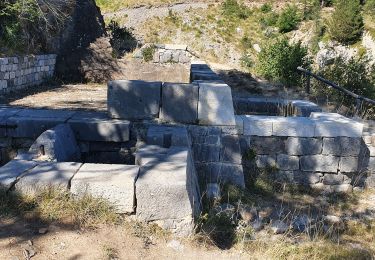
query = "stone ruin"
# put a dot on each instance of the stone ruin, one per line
(161, 146)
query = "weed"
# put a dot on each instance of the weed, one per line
(266, 8)
(148, 53)
(110, 253)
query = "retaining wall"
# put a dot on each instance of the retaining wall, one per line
(21, 72)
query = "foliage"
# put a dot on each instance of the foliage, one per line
(288, 19)
(266, 8)
(311, 9)
(369, 6)
(346, 24)
(148, 53)
(279, 60)
(270, 19)
(122, 39)
(231, 8)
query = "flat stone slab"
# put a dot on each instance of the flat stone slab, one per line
(113, 182)
(149, 153)
(319, 163)
(10, 172)
(215, 106)
(257, 125)
(96, 129)
(46, 113)
(292, 126)
(57, 144)
(134, 100)
(57, 175)
(179, 103)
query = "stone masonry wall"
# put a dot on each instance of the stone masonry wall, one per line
(21, 72)
(168, 53)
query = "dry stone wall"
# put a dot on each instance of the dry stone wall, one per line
(21, 72)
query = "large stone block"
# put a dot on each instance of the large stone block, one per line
(46, 113)
(303, 146)
(371, 164)
(319, 163)
(167, 136)
(57, 175)
(348, 164)
(206, 153)
(149, 153)
(230, 149)
(293, 126)
(333, 179)
(305, 108)
(167, 192)
(96, 129)
(57, 144)
(257, 125)
(334, 125)
(287, 162)
(11, 171)
(179, 103)
(134, 100)
(114, 182)
(264, 161)
(267, 145)
(306, 178)
(221, 173)
(342, 146)
(215, 106)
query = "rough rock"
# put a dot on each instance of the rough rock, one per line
(247, 213)
(279, 227)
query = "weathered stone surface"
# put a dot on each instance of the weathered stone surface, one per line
(343, 146)
(57, 144)
(221, 173)
(179, 103)
(230, 149)
(348, 164)
(333, 179)
(293, 126)
(149, 153)
(134, 100)
(267, 145)
(45, 113)
(239, 124)
(343, 188)
(319, 163)
(334, 125)
(11, 171)
(279, 227)
(303, 146)
(168, 190)
(306, 178)
(45, 175)
(97, 129)
(264, 161)
(215, 106)
(287, 162)
(31, 127)
(257, 125)
(371, 164)
(206, 153)
(167, 136)
(213, 191)
(114, 182)
(305, 108)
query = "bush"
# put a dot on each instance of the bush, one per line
(279, 60)
(232, 8)
(148, 53)
(122, 39)
(288, 19)
(346, 25)
(266, 8)
(369, 6)
(311, 9)
(269, 19)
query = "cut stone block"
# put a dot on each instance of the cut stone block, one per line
(204, 76)
(305, 108)
(57, 175)
(333, 179)
(6, 112)
(149, 153)
(230, 149)
(215, 106)
(31, 127)
(96, 129)
(264, 161)
(175, 47)
(257, 125)
(239, 124)
(293, 126)
(343, 188)
(167, 191)
(343, 146)
(221, 173)
(206, 153)
(287, 162)
(319, 163)
(334, 125)
(57, 144)
(348, 164)
(267, 145)
(134, 100)
(303, 146)
(179, 103)
(46, 113)
(11, 171)
(306, 178)
(167, 136)
(113, 182)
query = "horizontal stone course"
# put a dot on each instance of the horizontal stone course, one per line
(303, 146)
(319, 163)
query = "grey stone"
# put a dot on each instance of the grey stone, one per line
(335, 125)
(371, 164)
(57, 175)
(213, 191)
(221, 173)
(167, 136)
(206, 153)
(215, 106)
(179, 103)
(57, 144)
(230, 149)
(306, 178)
(257, 225)
(305, 108)
(113, 182)
(247, 213)
(348, 164)
(301, 223)
(279, 227)
(149, 153)
(204, 76)
(303, 146)
(319, 163)
(287, 162)
(96, 129)
(11, 171)
(343, 188)
(333, 179)
(343, 146)
(293, 126)
(46, 113)
(134, 100)
(267, 145)
(257, 125)
(264, 161)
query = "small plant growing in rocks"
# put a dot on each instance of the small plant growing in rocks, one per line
(148, 53)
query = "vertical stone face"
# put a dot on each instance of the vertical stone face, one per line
(267, 145)
(230, 149)
(179, 103)
(303, 146)
(319, 163)
(257, 125)
(343, 146)
(348, 164)
(134, 100)
(286, 162)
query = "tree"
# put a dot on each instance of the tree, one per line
(288, 19)
(346, 25)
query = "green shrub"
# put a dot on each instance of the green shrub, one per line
(346, 24)
(266, 8)
(269, 19)
(122, 39)
(369, 6)
(288, 19)
(232, 8)
(279, 60)
(148, 53)
(311, 9)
